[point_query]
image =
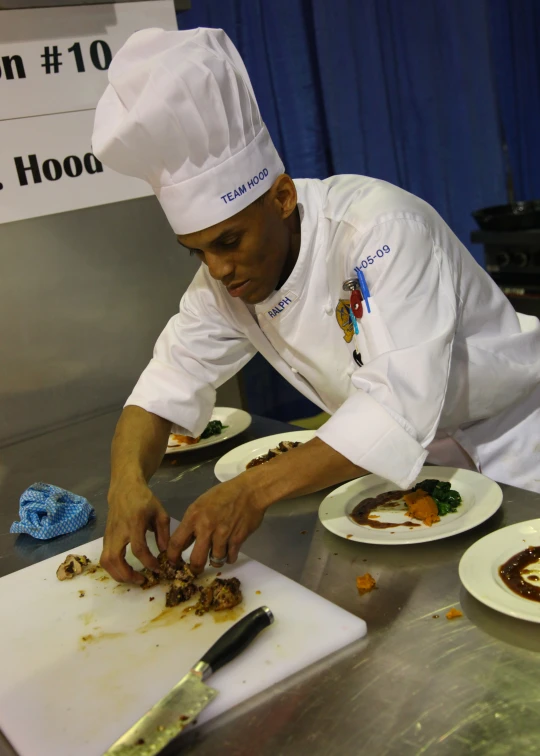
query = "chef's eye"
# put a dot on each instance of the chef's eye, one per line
(230, 243)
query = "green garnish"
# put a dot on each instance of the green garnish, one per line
(446, 499)
(214, 428)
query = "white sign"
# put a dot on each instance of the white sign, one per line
(46, 166)
(53, 70)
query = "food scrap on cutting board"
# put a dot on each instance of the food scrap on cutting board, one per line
(72, 565)
(219, 595)
(365, 583)
(454, 614)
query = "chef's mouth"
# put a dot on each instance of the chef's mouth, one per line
(236, 290)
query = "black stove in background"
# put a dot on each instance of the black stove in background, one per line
(513, 261)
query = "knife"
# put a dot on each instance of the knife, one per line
(190, 696)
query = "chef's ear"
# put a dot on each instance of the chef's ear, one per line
(283, 195)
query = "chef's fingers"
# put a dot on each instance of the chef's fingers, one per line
(199, 555)
(182, 537)
(140, 549)
(114, 562)
(162, 529)
(236, 539)
(220, 538)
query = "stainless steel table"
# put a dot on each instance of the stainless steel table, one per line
(417, 685)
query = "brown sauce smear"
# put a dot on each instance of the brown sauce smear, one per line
(361, 512)
(511, 573)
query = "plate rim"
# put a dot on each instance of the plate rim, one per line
(213, 439)
(232, 452)
(428, 536)
(468, 556)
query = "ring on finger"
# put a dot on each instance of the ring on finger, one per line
(217, 561)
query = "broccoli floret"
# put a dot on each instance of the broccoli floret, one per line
(214, 428)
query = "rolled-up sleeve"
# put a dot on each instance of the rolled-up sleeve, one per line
(393, 413)
(199, 349)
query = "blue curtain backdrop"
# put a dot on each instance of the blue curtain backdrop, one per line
(416, 92)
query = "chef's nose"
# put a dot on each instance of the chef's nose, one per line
(219, 266)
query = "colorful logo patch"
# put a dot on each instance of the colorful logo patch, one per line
(343, 317)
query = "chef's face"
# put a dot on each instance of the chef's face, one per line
(253, 252)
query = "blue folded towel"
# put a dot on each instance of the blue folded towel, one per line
(47, 511)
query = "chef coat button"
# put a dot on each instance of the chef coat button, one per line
(294, 370)
(350, 370)
(328, 309)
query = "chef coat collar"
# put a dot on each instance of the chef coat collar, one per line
(295, 283)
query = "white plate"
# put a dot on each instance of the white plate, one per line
(236, 421)
(481, 498)
(479, 569)
(234, 462)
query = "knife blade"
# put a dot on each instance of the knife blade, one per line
(181, 706)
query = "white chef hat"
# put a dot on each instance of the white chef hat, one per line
(180, 113)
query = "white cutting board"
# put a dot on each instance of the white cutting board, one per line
(64, 696)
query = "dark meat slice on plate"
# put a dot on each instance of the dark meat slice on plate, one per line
(285, 446)
(222, 593)
(281, 448)
(180, 590)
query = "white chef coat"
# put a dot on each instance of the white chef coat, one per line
(444, 353)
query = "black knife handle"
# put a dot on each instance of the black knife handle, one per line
(237, 638)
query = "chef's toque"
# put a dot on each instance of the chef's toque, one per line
(179, 112)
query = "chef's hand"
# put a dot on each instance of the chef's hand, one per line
(219, 522)
(133, 509)
(221, 519)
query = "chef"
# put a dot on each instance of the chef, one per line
(357, 292)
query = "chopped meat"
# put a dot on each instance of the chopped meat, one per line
(281, 448)
(227, 593)
(150, 579)
(166, 569)
(365, 583)
(180, 590)
(454, 614)
(206, 596)
(222, 593)
(421, 506)
(180, 577)
(167, 572)
(183, 572)
(72, 565)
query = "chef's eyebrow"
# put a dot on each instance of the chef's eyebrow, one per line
(222, 238)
